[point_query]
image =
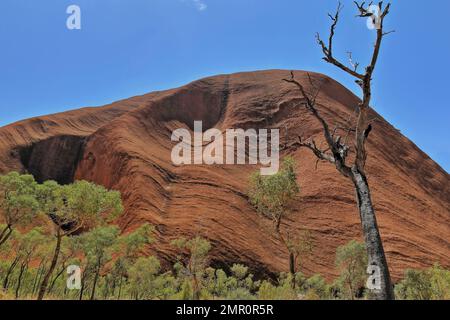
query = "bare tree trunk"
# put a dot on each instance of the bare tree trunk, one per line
(44, 284)
(374, 245)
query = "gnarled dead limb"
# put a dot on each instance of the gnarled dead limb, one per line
(338, 151)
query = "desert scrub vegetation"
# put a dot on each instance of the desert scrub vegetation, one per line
(429, 284)
(46, 228)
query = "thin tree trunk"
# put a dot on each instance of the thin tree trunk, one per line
(23, 267)
(82, 289)
(113, 289)
(120, 287)
(196, 289)
(94, 285)
(374, 245)
(44, 284)
(350, 287)
(8, 273)
(6, 233)
(106, 289)
(60, 272)
(38, 276)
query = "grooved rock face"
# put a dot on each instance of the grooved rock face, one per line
(127, 146)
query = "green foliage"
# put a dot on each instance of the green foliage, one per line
(430, 284)
(80, 205)
(272, 195)
(351, 261)
(97, 243)
(73, 208)
(198, 249)
(283, 291)
(144, 280)
(132, 244)
(300, 245)
(18, 204)
(115, 265)
(316, 286)
(97, 248)
(239, 271)
(240, 285)
(194, 266)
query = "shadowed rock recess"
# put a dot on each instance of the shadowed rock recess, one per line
(126, 146)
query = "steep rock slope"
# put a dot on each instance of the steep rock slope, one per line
(127, 146)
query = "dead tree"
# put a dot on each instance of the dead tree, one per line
(337, 150)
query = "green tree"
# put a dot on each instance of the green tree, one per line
(18, 204)
(129, 249)
(216, 283)
(144, 280)
(351, 261)
(74, 208)
(194, 266)
(273, 196)
(97, 246)
(316, 288)
(241, 284)
(300, 246)
(29, 246)
(282, 291)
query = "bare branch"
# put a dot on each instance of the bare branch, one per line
(328, 50)
(363, 11)
(338, 150)
(354, 65)
(300, 87)
(311, 145)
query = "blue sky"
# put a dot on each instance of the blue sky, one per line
(131, 47)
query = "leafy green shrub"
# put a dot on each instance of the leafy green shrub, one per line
(282, 291)
(351, 261)
(317, 288)
(430, 284)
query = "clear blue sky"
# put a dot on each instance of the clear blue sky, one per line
(131, 47)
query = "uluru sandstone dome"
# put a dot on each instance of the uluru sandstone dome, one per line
(127, 146)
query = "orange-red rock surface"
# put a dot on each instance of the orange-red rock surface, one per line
(126, 146)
